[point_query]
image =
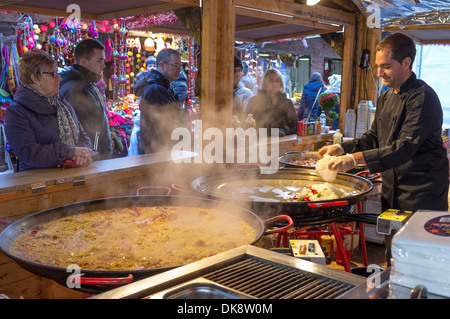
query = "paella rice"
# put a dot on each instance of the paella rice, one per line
(134, 238)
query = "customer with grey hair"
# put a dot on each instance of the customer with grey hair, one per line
(309, 108)
(161, 111)
(41, 126)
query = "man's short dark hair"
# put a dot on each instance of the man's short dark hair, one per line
(165, 55)
(401, 46)
(85, 49)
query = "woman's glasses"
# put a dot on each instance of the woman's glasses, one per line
(54, 74)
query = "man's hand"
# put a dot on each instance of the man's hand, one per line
(343, 163)
(332, 150)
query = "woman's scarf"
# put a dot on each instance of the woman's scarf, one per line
(68, 131)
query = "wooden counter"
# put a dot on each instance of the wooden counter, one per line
(25, 193)
(300, 143)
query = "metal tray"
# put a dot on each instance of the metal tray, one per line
(200, 289)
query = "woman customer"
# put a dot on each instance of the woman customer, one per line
(40, 125)
(309, 108)
(271, 108)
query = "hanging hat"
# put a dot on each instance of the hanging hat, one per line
(149, 44)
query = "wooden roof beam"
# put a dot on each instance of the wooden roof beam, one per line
(285, 19)
(418, 27)
(445, 35)
(169, 5)
(256, 26)
(299, 11)
(289, 35)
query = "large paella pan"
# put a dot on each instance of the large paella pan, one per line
(127, 238)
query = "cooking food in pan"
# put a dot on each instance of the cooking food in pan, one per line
(306, 162)
(299, 159)
(133, 238)
(324, 191)
(283, 190)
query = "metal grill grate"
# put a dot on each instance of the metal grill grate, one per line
(265, 280)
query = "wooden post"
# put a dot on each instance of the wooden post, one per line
(217, 50)
(348, 74)
(357, 84)
(368, 39)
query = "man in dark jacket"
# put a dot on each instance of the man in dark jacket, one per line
(404, 142)
(79, 87)
(160, 108)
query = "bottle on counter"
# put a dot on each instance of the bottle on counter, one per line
(250, 122)
(337, 137)
(235, 122)
(300, 128)
(323, 122)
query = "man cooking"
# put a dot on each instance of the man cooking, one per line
(404, 142)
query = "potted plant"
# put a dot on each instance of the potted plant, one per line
(327, 102)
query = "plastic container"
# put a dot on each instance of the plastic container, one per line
(328, 242)
(350, 118)
(363, 118)
(337, 137)
(250, 121)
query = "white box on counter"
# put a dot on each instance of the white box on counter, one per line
(421, 252)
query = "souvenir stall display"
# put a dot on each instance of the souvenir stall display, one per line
(126, 50)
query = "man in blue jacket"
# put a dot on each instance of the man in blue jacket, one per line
(161, 111)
